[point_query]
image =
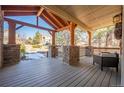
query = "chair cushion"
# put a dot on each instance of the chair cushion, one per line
(109, 55)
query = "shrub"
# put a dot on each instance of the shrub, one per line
(37, 46)
(22, 50)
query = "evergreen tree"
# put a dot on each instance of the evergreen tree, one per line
(29, 41)
(37, 38)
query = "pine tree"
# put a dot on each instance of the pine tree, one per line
(37, 38)
(29, 41)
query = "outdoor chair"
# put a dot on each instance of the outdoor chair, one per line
(106, 60)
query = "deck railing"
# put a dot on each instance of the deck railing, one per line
(96, 50)
(106, 49)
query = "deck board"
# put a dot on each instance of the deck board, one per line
(77, 80)
(49, 78)
(93, 79)
(113, 80)
(72, 79)
(63, 79)
(49, 72)
(105, 82)
(86, 78)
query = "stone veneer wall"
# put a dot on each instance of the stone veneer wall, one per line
(71, 55)
(11, 54)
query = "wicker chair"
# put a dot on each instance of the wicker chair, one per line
(107, 60)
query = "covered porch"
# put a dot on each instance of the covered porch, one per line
(71, 69)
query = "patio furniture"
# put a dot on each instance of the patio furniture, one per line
(107, 60)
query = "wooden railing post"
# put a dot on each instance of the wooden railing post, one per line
(12, 35)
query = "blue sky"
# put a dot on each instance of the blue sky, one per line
(28, 31)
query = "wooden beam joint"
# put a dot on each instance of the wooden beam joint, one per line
(40, 11)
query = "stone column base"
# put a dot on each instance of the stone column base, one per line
(53, 51)
(11, 54)
(88, 51)
(71, 55)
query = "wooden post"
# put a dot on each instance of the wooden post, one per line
(89, 37)
(72, 36)
(12, 35)
(37, 20)
(53, 51)
(1, 37)
(53, 38)
(122, 55)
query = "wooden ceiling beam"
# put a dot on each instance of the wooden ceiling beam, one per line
(20, 8)
(49, 20)
(44, 17)
(63, 28)
(27, 24)
(61, 25)
(40, 11)
(66, 16)
(19, 13)
(67, 22)
(38, 14)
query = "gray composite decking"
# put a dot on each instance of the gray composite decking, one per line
(53, 72)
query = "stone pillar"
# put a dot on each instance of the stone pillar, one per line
(11, 54)
(88, 50)
(12, 35)
(71, 55)
(53, 51)
(122, 55)
(1, 37)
